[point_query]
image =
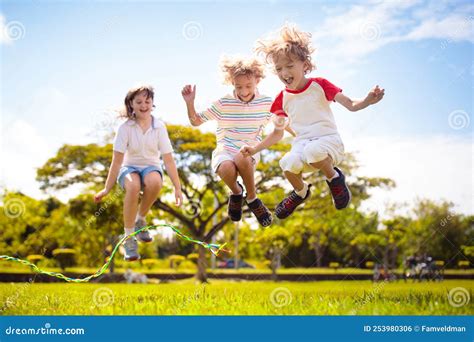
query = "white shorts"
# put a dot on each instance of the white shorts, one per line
(220, 156)
(306, 151)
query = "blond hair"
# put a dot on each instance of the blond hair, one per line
(237, 65)
(128, 111)
(291, 42)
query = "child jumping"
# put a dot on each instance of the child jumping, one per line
(136, 165)
(305, 103)
(241, 117)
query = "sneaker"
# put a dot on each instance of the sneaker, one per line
(261, 212)
(234, 209)
(286, 207)
(144, 235)
(131, 249)
(341, 195)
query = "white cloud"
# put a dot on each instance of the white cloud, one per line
(364, 28)
(436, 167)
(23, 150)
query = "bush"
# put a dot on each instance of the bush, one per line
(34, 258)
(150, 263)
(463, 264)
(65, 257)
(334, 265)
(439, 263)
(369, 264)
(193, 257)
(175, 261)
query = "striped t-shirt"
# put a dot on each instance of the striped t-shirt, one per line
(238, 123)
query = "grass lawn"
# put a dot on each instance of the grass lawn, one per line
(237, 298)
(9, 267)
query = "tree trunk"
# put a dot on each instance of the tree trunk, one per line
(201, 275)
(275, 263)
(317, 253)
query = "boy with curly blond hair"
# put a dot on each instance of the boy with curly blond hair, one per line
(241, 117)
(305, 105)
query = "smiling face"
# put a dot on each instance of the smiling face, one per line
(245, 87)
(142, 104)
(291, 71)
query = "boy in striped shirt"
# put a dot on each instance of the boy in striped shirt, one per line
(241, 117)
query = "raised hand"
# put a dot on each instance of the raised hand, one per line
(189, 93)
(375, 95)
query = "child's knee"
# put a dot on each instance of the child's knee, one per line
(292, 162)
(314, 153)
(132, 184)
(152, 181)
(241, 161)
(226, 167)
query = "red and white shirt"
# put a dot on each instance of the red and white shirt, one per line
(308, 109)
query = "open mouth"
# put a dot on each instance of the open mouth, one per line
(288, 80)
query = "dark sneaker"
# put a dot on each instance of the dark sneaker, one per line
(341, 195)
(261, 212)
(131, 249)
(235, 205)
(144, 235)
(289, 204)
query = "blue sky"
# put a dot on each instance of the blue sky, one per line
(66, 64)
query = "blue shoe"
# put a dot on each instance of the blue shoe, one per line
(131, 249)
(144, 235)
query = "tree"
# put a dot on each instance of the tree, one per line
(88, 165)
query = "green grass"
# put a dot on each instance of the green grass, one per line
(234, 298)
(9, 267)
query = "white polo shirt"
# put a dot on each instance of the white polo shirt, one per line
(142, 149)
(308, 109)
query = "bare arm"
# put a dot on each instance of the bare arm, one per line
(117, 160)
(173, 174)
(374, 96)
(189, 95)
(269, 140)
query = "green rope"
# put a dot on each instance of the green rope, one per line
(214, 248)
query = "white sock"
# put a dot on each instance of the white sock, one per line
(129, 231)
(140, 217)
(250, 200)
(336, 174)
(302, 193)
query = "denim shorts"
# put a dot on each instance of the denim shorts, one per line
(142, 172)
